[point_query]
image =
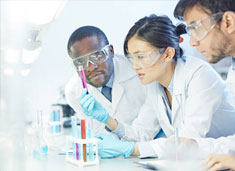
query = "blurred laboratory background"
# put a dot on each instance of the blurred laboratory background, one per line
(35, 66)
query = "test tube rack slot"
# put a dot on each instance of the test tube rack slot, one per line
(55, 128)
(55, 124)
(70, 158)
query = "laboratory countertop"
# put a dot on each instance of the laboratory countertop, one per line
(59, 163)
(19, 159)
(15, 157)
(56, 162)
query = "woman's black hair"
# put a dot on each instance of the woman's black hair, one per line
(159, 31)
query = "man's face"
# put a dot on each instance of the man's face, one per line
(213, 45)
(97, 75)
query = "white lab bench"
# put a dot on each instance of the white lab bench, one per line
(17, 159)
(55, 162)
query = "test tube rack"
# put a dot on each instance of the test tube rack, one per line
(81, 143)
(55, 122)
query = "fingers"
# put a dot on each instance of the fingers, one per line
(84, 92)
(91, 106)
(106, 138)
(211, 163)
(187, 143)
(84, 97)
(89, 99)
(86, 100)
(101, 136)
(106, 156)
(217, 166)
(219, 161)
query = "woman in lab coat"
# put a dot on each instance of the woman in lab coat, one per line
(184, 93)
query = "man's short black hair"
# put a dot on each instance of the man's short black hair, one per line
(209, 6)
(86, 31)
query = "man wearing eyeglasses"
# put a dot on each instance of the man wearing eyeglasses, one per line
(211, 26)
(112, 84)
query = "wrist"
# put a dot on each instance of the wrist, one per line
(130, 148)
(112, 124)
(135, 151)
(105, 118)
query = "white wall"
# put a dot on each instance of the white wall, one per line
(53, 68)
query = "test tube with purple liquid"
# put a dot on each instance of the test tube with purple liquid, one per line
(82, 75)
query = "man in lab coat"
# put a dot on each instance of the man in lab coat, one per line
(211, 25)
(111, 79)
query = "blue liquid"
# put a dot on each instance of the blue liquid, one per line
(36, 154)
(44, 149)
(40, 153)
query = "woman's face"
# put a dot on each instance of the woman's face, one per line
(147, 61)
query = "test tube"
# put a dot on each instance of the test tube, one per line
(83, 126)
(82, 75)
(83, 134)
(91, 146)
(74, 134)
(57, 119)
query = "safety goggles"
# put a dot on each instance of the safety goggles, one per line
(145, 60)
(95, 58)
(199, 29)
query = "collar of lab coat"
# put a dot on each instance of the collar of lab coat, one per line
(179, 77)
(178, 90)
(122, 72)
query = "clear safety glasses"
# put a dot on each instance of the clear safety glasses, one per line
(95, 58)
(199, 29)
(145, 60)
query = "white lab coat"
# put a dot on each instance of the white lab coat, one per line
(223, 145)
(128, 95)
(201, 104)
(231, 82)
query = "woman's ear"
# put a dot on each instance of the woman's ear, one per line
(169, 54)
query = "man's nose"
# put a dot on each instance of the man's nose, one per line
(92, 66)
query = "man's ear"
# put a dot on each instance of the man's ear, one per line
(228, 22)
(111, 50)
(169, 54)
